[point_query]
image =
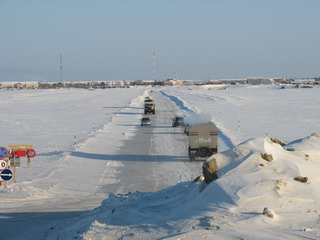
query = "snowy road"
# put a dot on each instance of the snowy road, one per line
(151, 158)
(123, 157)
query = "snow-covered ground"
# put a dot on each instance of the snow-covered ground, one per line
(99, 175)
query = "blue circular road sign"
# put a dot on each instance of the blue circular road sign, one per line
(6, 174)
(3, 152)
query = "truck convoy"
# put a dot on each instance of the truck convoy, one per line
(203, 140)
(149, 106)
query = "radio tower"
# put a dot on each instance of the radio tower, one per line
(60, 67)
(154, 66)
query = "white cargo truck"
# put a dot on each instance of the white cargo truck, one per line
(203, 140)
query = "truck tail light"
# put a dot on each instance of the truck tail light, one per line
(193, 152)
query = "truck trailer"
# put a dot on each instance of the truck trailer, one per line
(203, 141)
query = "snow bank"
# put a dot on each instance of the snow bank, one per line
(214, 87)
(250, 191)
(252, 182)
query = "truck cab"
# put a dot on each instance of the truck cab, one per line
(149, 107)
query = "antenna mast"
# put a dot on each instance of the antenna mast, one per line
(60, 67)
(154, 66)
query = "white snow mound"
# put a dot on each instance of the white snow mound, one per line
(250, 182)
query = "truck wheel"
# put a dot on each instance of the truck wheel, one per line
(204, 151)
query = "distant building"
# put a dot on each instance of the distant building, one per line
(232, 81)
(194, 82)
(18, 85)
(143, 82)
(281, 80)
(260, 80)
(172, 82)
(308, 81)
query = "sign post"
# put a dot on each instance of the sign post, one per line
(14, 169)
(11, 156)
(23, 150)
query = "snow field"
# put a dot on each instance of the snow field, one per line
(81, 113)
(229, 208)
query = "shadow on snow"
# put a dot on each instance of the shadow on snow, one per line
(131, 157)
(124, 107)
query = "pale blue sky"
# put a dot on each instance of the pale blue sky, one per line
(195, 39)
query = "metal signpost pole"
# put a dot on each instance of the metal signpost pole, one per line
(14, 169)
